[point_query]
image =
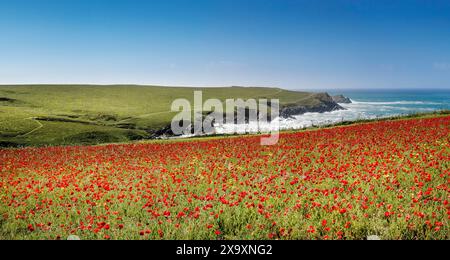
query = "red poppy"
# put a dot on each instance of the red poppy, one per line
(311, 230)
(30, 228)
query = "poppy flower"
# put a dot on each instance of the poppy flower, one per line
(30, 228)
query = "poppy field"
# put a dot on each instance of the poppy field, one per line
(389, 178)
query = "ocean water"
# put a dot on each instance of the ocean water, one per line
(395, 102)
(366, 104)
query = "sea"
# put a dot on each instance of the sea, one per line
(366, 104)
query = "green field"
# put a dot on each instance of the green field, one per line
(40, 115)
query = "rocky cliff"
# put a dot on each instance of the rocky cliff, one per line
(341, 99)
(323, 102)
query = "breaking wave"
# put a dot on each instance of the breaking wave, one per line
(354, 111)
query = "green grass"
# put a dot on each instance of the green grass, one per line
(74, 114)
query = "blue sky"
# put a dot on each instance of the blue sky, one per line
(284, 43)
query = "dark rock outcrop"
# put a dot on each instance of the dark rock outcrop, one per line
(163, 132)
(341, 99)
(325, 104)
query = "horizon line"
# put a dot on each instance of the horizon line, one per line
(221, 86)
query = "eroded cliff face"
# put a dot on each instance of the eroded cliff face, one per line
(341, 99)
(320, 103)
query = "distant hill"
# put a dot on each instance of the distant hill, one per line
(92, 114)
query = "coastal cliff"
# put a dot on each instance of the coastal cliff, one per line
(341, 99)
(319, 103)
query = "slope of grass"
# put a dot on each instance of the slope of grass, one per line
(121, 111)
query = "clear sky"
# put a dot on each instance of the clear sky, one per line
(284, 43)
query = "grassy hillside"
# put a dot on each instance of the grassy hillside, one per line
(88, 114)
